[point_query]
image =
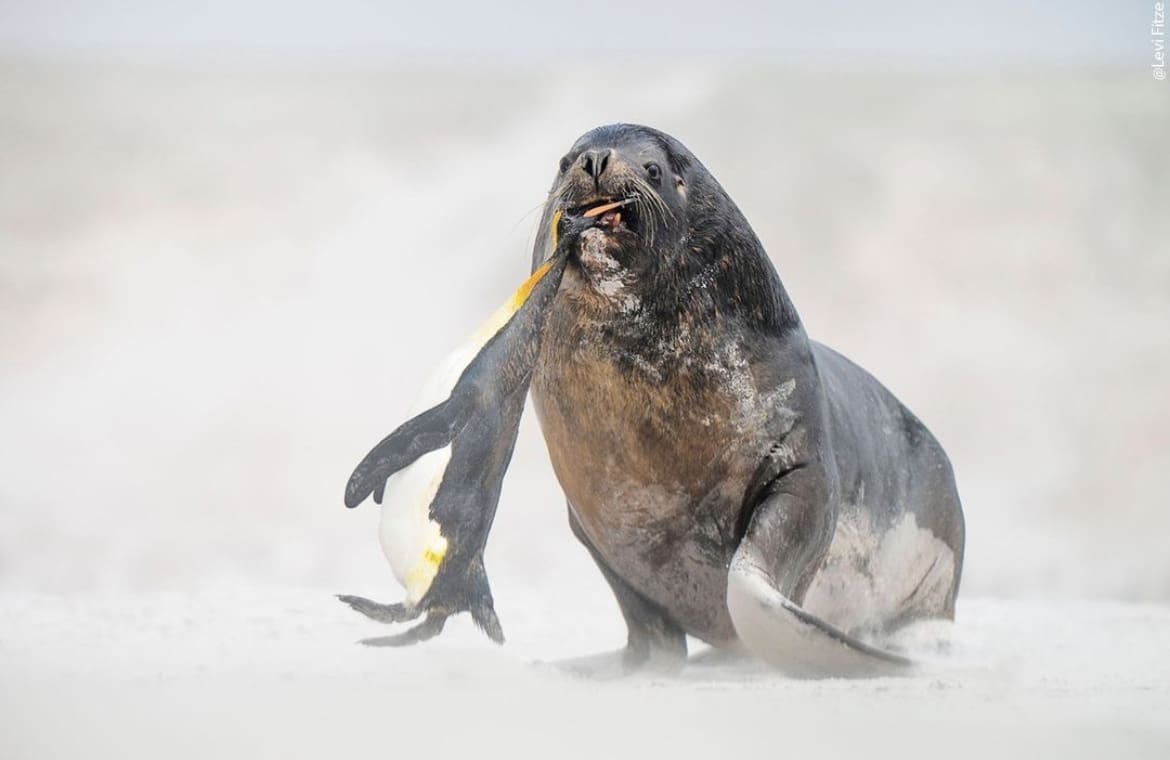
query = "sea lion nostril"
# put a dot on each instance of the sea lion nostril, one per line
(594, 162)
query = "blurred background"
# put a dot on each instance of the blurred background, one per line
(236, 237)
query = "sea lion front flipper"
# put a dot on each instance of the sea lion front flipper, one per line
(788, 517)
(779, 632)
(654, 642)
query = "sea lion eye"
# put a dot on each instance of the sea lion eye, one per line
(564, 164)
(653, 171)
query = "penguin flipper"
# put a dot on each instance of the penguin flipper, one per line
(503, 356)
(431, 430)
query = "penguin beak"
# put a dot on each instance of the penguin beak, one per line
(614, 214)
(605, 209)
(606, 214)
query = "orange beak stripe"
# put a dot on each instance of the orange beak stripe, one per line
(599, 210)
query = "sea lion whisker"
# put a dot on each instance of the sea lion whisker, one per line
(541, 207)
(655, 198)
(650, 215)
(651, 206)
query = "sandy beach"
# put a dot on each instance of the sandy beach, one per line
(277, 672)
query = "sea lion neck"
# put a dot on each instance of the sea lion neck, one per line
(713, 272)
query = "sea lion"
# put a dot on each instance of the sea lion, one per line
(733, 479)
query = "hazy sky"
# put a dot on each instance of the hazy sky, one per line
(853, 33)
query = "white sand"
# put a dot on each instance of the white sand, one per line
(277, 672)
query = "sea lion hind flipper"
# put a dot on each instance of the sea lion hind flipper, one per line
(800, 644)
(431, 430)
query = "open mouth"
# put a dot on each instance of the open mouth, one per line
(611, 214)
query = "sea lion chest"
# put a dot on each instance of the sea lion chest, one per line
(653, 436)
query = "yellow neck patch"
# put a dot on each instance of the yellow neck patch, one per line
(525, 290)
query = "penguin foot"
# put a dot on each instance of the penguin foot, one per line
(383, 613)
(429, 628)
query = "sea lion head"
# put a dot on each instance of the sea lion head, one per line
(642, 167)
(677, 248)
(627, 162)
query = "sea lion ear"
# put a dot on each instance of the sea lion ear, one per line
(677, 156)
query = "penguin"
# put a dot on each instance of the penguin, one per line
(438, 476)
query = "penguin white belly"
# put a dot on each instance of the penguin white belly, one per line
(412, 542)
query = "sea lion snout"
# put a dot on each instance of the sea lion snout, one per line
(594, 163)
(600, 176)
